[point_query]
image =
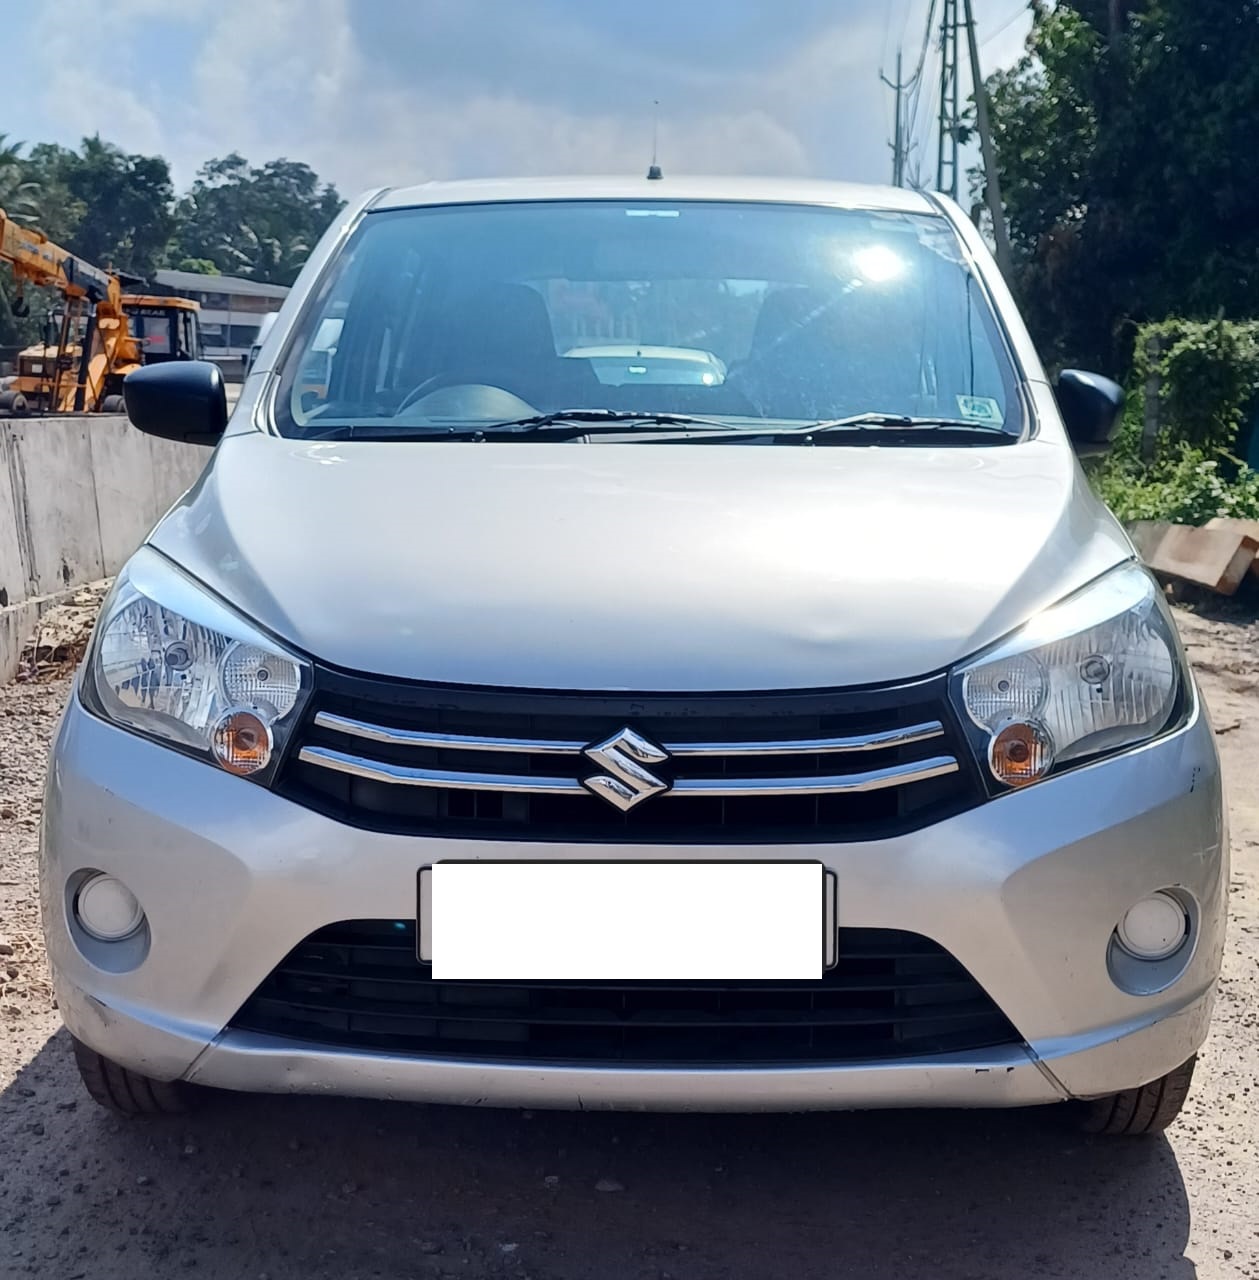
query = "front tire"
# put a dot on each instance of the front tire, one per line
(113, 404)
(14, 402)
(1148, 1109)
(127, 1092)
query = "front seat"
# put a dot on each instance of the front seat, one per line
(501, 335)
(822, 354)
(790, 364)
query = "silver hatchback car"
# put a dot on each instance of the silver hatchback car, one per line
(482, 731)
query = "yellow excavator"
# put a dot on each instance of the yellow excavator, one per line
(99, 335)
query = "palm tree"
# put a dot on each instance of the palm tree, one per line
(18, 197)
(268, 258)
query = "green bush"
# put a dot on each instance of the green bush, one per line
(1189, 487)
(1209, 373)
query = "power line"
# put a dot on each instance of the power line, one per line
(887, 36)
(992, 175)
(919, 132)
(926, 39)
(1019, 12)
(907, 9)
(907, 95)
(920, 138)
(922, 61)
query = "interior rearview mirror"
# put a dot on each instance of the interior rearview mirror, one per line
(1091, 407)
(182, 400)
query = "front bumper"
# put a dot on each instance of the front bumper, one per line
(1024, 891)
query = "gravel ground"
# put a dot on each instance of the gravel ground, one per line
(305, 1189)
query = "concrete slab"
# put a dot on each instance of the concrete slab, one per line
(175, 468)
(13, 571)
(122, 472)
(77, 496)
(16, 624)
(55, 501)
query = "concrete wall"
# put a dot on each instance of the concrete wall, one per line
(77, 496)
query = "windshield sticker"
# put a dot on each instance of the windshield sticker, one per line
(980, 409)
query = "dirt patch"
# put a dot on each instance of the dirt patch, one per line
(61, 636)
(28, 715)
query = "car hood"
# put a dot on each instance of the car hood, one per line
(639, 566)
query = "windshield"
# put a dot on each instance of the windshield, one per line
(745, 314)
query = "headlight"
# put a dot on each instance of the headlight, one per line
(1097, 673)
(171, 662)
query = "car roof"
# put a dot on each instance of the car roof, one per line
(770, 190)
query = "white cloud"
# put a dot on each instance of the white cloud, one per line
(82, 101)
(300, 86)
(293, 78)
(111, 96)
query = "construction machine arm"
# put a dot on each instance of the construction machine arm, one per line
(37, 260)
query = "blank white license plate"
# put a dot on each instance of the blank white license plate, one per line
(626, 921)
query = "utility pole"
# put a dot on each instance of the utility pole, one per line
(950, 122)
(898, 145)
(992, 179)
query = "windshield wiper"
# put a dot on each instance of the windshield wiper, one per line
(569, 424)
(879, 423)
(563, 424)
(609, 419)
(889, 426)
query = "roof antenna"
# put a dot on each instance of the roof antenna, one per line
(653, 173)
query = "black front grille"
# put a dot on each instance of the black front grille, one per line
(665, 719)
(892, 995)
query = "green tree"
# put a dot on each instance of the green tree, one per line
(112, 208)
(129, 219)
(266, 258)
(1125, 138)
(19, 194)
(203, 266)
(19, 198)
(255, 221)
(58, 213)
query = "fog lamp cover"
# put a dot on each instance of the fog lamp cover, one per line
(1153, 928)
(107, 909)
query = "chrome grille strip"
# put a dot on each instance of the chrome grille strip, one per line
(843, 784)
(812, 746)
(444, 741)
(541, 747)
(402, 775)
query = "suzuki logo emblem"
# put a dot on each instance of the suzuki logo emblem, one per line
(627, 781)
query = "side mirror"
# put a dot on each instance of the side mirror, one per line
(1091, 407)
(182, 400)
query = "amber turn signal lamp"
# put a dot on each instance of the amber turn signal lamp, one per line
(1021, 753)
(242, 743)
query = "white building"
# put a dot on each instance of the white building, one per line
(232, 308)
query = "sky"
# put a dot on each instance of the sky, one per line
(387, 92)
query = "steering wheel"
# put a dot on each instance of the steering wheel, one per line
(467, 399)
(439, 381)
